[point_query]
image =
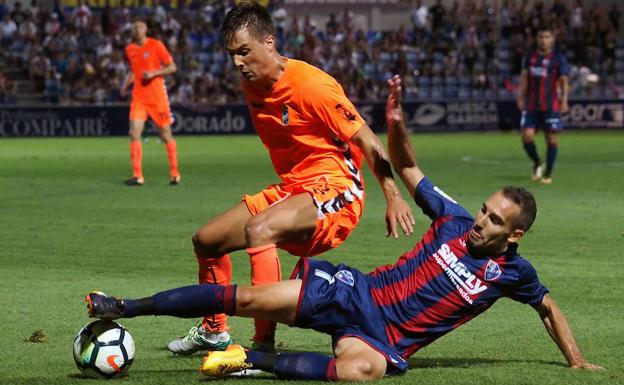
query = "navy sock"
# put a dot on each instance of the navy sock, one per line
(551, 157)
(186, 302)
(261, 360)
(135, 307)
(305, 366)
(531, 151)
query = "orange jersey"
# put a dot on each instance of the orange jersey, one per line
(150, 56)
(306, 121)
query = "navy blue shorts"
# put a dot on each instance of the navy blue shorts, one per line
(541, 120)
(336, 300)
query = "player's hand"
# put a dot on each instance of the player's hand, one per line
(565, 107)
(521, 104)
(123, 92)
(147, 75)
(587, 366)
(399, 212)
(393, 104)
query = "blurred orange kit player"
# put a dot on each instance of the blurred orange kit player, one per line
(149, 62)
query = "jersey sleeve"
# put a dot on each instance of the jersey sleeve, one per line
(528, 289)
(435, 203)
(325, 100)
(163, 54)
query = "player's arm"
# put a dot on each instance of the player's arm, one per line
(562, 82)
(168, 65)
(165, 70)
(126, 83)
(398, 211)
(564, 88)
(399, 144)
(559, 329)
(522, 90)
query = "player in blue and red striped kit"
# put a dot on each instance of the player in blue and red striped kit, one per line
(543, 97)
(460, 267)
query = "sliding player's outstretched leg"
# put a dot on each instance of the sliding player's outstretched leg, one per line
(354, 360)
(184, 302)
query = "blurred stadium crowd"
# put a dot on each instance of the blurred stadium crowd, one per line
(464, 50)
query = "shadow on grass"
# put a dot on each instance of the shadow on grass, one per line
(463, 362)
(199, 354)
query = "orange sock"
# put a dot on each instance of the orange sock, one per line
(136, 154)
(265, 268)
(217, 271)
(172, 154)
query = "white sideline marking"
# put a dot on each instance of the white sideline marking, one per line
(470, 159)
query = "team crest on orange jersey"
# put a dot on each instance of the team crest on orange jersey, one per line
(285, 115)
(348, 115)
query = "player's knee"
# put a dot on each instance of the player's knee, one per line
(166, 135)
(196, 239)
(135, 134)
(258, 231)
(202, 248)
(244, 298)
(359, 369)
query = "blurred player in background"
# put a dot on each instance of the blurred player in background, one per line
(149, 62)
(316, 139)
(543, 97)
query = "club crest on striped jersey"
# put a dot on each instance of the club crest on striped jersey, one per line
(492, 271)
(345, 276)
(285, 115)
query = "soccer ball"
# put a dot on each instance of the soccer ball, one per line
(103, 349)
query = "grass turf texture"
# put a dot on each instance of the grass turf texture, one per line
(69, 226)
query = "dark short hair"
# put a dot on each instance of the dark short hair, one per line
(251, 16)
(544, 28)
(141, 19)
(525, 200)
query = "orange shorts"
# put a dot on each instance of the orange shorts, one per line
(339, 209)
(159, 112)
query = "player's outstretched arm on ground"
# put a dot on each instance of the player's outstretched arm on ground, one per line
(398, 211)
(557, 326)
(399, 144)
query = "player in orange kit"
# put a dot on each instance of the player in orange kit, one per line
(316, 140)
(149, 62)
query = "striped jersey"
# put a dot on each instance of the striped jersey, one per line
(543, 73)
(438, 286)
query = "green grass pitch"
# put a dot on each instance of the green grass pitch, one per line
(69, 226)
